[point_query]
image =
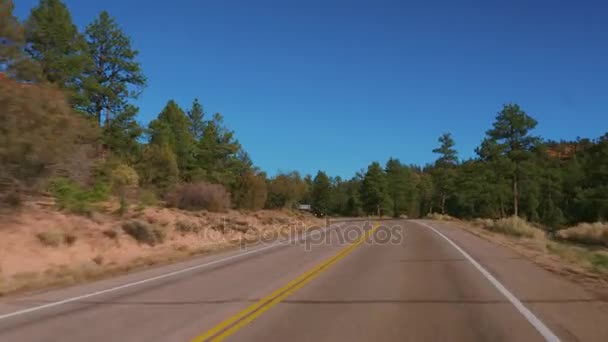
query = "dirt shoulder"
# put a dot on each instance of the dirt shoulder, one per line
(42, 247)
(573, 262)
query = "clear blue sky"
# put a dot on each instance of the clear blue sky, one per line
(334, 85)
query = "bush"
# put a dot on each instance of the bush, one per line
(110, 234)
(197, 196)
(56, 238)
(144, 233)
(147, 197)
(514, 226)
(185, 227)
(586, 233)
(72, 197)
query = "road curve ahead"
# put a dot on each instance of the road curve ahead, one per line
(397, 281)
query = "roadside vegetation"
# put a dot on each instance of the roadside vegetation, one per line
(70, 141)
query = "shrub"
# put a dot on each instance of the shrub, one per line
(514, 226)
(147, 197)
(70, 239)
(586, 233)
(187, 227)
(123, 176)
(197, 196)
(72, 197)
(144, 233)
(53, 238)
(110, 234)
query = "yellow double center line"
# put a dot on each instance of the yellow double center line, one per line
(242, 318)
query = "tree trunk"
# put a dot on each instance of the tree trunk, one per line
(443, 196)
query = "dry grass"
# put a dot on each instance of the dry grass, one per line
(595, 260)
(440, 217)
(580, 264)
(586, 233)
(514, 226)
(101, 250)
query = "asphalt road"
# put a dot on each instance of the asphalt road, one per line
(421, 287)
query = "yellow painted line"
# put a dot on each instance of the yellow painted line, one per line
(242, 318)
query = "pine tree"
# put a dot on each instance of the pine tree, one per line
(13, 61)
(397, 185)
(56, 45)
(443, 172)
(218, 152)
(196, 116)
(374, 191)
(511, 137)
(116, 76)
(321, 194)
(172, 129)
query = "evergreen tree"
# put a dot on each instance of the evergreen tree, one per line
(321, 194)
(196, 117)
(443, 172)
(60, 50)
(13, 61)
(374, 192)
(218, 152)
(172, 129)
(397, 179)
(115, 77)
(511, 138)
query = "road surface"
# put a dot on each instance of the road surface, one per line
(435, 283)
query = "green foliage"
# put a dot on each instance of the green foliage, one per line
(158, 167)
(443, 172)
(13, 60)
(374, 191)
(75, 198)
(250, 192)
(509, 142)
(114, 78)
(171, 129)
(56, 45)
(285, 190)
(321, 194)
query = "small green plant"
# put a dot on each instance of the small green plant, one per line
(72, 197)
(144, 233)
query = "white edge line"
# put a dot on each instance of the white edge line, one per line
(147, 280)
(536, 323)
